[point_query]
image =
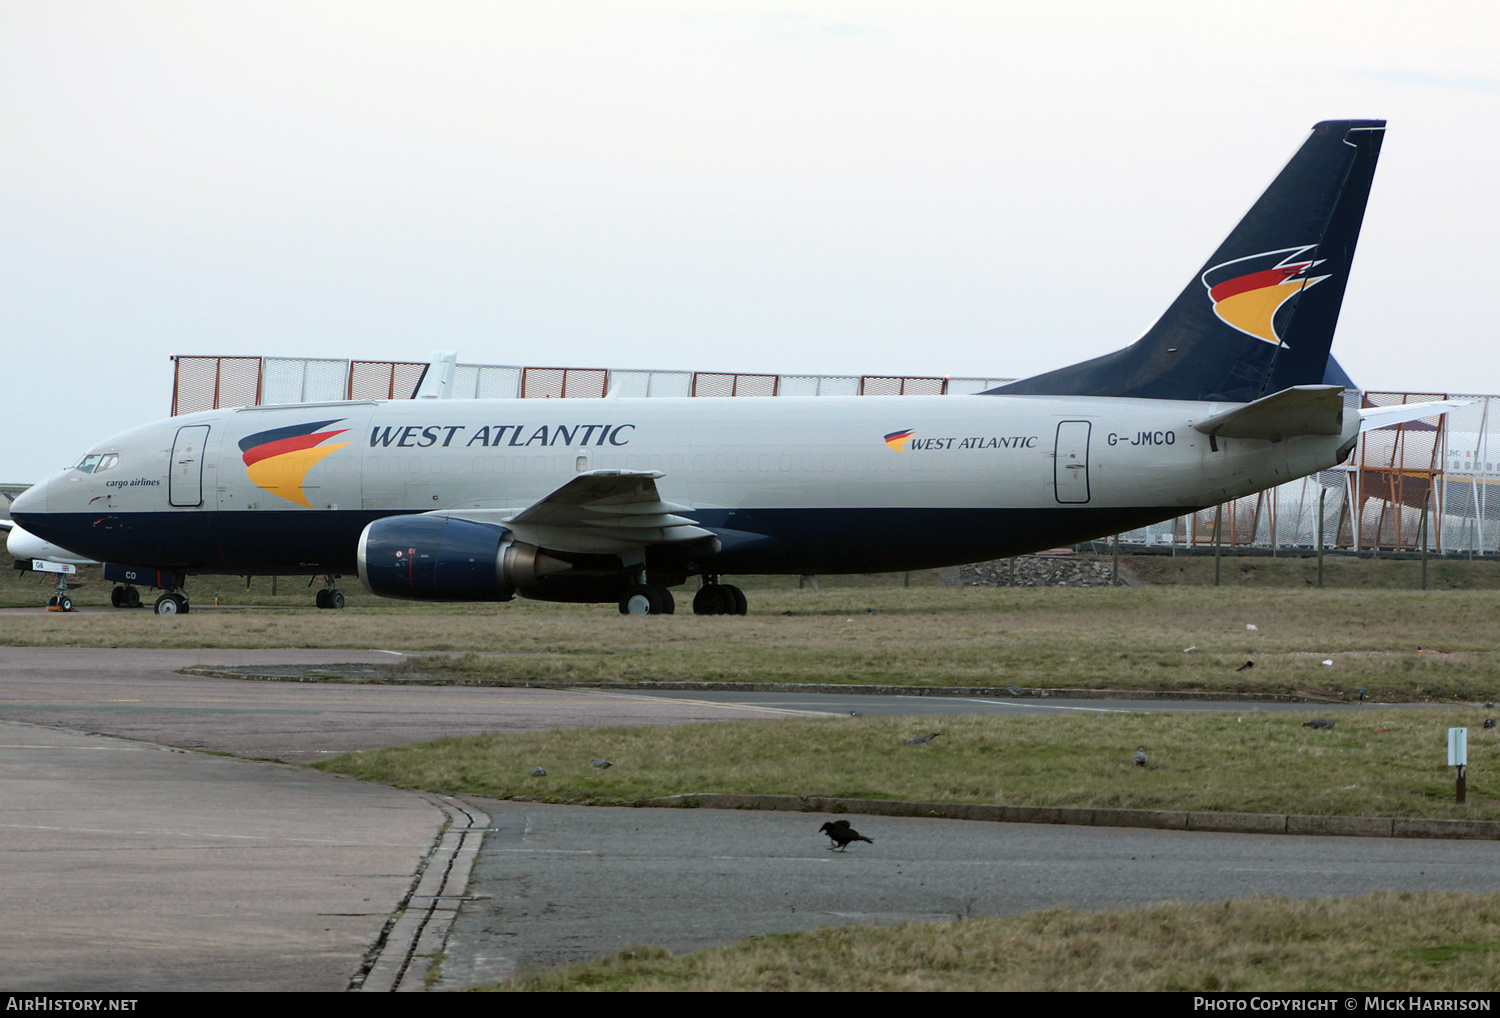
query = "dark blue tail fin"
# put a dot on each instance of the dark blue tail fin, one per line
(1259, 317)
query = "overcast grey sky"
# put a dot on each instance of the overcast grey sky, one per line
(988, 189)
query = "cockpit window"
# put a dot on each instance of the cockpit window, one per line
(95, 462)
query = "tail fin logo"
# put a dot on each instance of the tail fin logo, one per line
(277, 461)
(1253, 294)
(897, 439)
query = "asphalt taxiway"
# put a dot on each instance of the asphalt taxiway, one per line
(133, 865)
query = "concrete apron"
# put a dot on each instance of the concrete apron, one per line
(135, 867)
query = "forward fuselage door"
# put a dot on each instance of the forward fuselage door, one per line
(1070, 470)
(185, 482)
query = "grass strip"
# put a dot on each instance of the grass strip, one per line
(1106, 638)
(1376, 942)
(1389, 763)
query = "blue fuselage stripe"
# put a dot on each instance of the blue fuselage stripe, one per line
(755, 540)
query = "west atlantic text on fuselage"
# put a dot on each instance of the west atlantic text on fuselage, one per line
(416, 436)
(991, 442)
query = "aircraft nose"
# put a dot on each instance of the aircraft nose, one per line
(32, 500)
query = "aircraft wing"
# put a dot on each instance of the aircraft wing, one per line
(597, 511)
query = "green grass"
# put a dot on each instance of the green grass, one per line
(1377, 942)
(869, 633)
(1374, 763)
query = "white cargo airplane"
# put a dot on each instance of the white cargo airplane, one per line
(618, 500)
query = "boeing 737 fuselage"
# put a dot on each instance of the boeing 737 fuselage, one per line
(620, 499)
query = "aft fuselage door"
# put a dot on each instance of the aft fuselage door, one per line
(1070, 470)
(185, 483)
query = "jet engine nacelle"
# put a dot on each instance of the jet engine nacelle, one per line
(439, 558)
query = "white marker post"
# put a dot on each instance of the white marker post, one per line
(1458, 756)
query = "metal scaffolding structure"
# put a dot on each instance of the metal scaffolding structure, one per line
(1446, 465)
(212, 382)
(1376, 501)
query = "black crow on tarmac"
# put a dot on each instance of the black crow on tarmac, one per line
(842, 834)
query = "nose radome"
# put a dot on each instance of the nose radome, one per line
(32, 500)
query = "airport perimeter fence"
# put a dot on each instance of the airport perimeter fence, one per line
(209, 383)
(1446, 467)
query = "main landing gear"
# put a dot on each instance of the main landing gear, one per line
(330, 596)
(715, 598)
(125, 597)
(647, 599)
(173, 602)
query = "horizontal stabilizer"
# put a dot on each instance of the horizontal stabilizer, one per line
(1300, 410)
(1401, 413)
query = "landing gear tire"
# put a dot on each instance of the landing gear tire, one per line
(65, 603)
(741, 606)
(719, 599)
(330, 598)
(117, 597)
(171, 604)
(647, 599)
(132, 597)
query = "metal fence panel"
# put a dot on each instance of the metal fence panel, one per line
(838, 385)
(302, 380)
(194, 384)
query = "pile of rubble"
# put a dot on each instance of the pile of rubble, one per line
(1039, 571)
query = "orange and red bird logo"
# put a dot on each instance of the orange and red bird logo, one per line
(278, 460)
(897, 439)
(1254, 294)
